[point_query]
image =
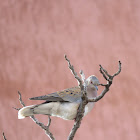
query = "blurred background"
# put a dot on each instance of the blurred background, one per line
(35, 35)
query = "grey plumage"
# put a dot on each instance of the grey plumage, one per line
(63, 104)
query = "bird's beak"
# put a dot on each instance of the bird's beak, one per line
(96, 87)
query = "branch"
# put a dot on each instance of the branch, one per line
(83, 79)
(78, 119)
(85, 100)
(4, 136)
(44, 127)
(81, 109)
(20, 99)
(109, 82)
(73, 72)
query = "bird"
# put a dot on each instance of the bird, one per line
(64, 103)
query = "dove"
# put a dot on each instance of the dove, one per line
(63, 104)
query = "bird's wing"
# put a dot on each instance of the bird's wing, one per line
(67, 95)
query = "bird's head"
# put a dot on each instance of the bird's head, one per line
(92, 82)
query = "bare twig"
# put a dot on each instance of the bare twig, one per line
(118, 70)
(4, 136)
(82, 76)
(16, 108)
(49, 121)
(44, 127)
(81, 109)
(109, 82)
(84, 80)
(101, 71)
(20, 99)
(79, 117)
(73, 72)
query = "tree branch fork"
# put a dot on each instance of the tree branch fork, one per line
(80, 113)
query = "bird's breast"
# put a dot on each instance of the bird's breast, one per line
(67, 111)
(88, 108)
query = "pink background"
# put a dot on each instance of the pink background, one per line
(35, 35)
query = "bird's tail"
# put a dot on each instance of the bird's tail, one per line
(26, 112)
